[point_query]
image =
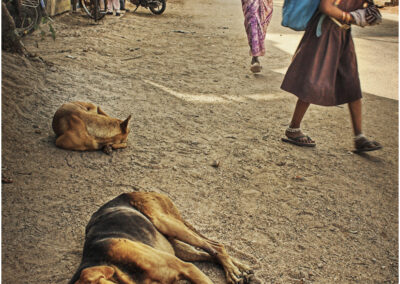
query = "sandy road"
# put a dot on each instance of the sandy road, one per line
(296, 215)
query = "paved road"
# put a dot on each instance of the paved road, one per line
(376, 47)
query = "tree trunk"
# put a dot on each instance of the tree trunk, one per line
(10, 39)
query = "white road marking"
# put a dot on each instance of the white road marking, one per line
(213, 98)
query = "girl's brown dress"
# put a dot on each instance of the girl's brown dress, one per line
(324, 69)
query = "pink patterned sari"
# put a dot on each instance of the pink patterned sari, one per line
(257, 15)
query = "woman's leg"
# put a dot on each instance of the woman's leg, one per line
(257, 16)
(109, 7)
(116, 7)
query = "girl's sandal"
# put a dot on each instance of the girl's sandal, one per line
(301, 140)
(362, 144)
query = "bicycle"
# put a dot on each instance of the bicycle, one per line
(95, 9)
(27, 14)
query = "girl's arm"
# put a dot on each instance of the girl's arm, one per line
(328, 8)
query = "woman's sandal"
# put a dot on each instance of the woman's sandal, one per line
(256, 67)
(299, 140)
(362, 144)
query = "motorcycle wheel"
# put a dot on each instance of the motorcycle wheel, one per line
(160, 8)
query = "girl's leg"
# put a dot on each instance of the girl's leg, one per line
(356, 115)
(298, 114)
(294, 132)
(362, 144)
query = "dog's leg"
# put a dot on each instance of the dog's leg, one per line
(72, 141)
(96, 274)
(159, 266)
(166, 218)
(76, 137)
(189, 253)
(119, 146)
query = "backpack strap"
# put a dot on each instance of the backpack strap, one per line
(318, 32)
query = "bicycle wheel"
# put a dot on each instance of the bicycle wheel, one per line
(27, 20)
(158, 7)
(93, 8)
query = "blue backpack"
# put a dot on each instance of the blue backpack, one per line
(297, 13)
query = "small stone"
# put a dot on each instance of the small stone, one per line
(373, 260)
(383, 267)
(215, 164)
(6, 180)
(301, 247)
(320, 265)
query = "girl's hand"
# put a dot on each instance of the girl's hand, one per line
(367, 17)
(360, 17)
(372, 15)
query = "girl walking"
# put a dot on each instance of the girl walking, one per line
(324, 68)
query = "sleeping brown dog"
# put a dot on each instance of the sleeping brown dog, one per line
(140, 237)
(83, 126)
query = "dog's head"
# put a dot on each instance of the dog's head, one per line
(125, 126)
(96, 275)
(122, 136)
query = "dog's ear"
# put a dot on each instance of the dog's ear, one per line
(124, 124)
(94, 274)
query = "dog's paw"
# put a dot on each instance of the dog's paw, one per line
(107, 149)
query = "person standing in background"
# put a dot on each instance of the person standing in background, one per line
(257, 16)
(113, 4)
(122, 6)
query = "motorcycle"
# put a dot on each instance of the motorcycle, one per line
(156, 6)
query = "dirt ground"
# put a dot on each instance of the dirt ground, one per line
(322, 215)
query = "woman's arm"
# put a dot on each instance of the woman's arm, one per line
(328, 8)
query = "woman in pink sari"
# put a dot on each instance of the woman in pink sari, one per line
(257, 15)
